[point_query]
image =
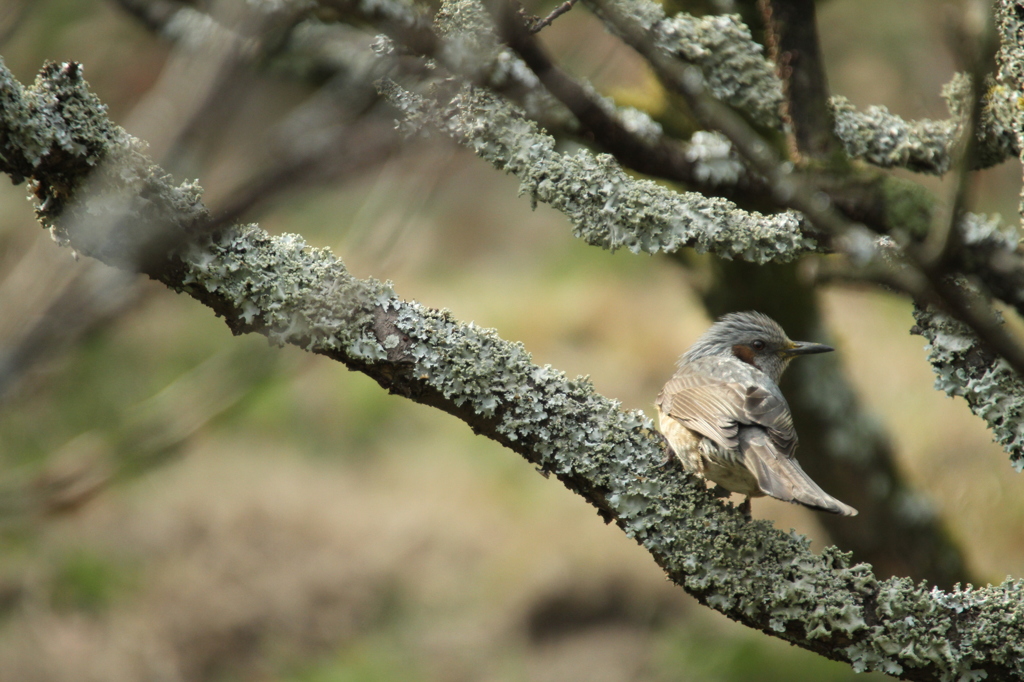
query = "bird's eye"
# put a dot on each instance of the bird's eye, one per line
(758, 344)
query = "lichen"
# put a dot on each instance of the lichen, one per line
(964, 367)
(295, 294)
(999, 121)
(1010, 56)
(926, 146)
(55, 120)
(469, 40)
(607, 207)
(888, 141)
(58, 135)
(715, 161)
(734, 67)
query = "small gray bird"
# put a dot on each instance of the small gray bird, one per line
(725, 417)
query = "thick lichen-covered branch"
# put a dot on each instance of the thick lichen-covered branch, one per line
(57, 135)
(964, 367)
(732, 63)
(607, 206)
(888, 141)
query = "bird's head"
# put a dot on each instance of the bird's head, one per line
(753, 338)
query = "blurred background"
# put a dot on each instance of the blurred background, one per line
(180, 504)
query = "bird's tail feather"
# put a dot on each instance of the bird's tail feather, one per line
(781, 476)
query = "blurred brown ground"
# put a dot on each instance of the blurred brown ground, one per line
(320, 530)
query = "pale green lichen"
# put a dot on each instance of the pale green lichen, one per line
(469, 40)
(1010, 56)
(1010, 59)
(296, 294)
(54, 119)
(57, 133)
(734, 67)
(927, 629)
(888, 141)
(1000, 117)
(963, 367)
(715, 161)
(193, 30)
(926, 146)
(471, 49)
(990, 252)
(607, 207)
(400, 13)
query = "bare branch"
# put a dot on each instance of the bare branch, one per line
(792, 35)
(965, 367)
(540, 24)
(944, 239)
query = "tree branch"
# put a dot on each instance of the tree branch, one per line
(607, 207)
(539, 24)
(963, 366)
(886, 140)
(656, 155)
(792, 35)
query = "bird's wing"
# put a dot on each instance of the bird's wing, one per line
(715, 408)
(705, 405)
(781, 476)
(741, 414)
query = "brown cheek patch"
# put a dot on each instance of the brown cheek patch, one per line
(744, 353)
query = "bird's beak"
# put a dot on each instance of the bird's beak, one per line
(805, 348)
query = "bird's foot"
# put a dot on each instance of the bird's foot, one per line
(666, 451)
(745, 508)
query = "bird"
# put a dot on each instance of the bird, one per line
(725, 418)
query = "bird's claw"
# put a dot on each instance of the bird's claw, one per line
(666, 450)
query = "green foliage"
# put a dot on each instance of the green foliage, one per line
(85, 580)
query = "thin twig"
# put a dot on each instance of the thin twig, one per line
(555, 13)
